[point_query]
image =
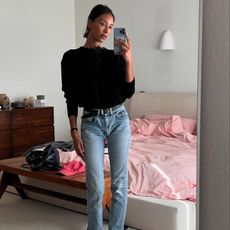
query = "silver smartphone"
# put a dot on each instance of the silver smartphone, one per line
(119, 34)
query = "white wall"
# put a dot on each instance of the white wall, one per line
(34, 36)
(155, 70)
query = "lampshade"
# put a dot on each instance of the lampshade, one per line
(167, 42)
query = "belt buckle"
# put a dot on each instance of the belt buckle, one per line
(107, 111)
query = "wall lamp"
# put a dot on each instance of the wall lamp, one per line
(167, 42)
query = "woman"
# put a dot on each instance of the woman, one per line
(99, 81)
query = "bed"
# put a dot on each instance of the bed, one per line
(149, 114)
(171, 212)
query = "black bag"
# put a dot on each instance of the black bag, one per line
(47, 159)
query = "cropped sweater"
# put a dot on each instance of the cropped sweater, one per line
(94, 78)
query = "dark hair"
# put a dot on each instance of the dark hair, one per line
(96, 12)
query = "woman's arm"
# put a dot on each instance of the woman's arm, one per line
(72, 104)
(129, 76)
(77, 140)
(127, 54)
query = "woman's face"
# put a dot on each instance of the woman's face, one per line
(101, 28)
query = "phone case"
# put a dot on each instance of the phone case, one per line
(119, 34)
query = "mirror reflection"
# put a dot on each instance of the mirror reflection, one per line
(162, 112)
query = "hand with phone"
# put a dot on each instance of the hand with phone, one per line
(122, 46)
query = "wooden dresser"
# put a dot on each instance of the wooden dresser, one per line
(21, 129)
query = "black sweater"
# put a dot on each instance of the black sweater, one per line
(94, 78)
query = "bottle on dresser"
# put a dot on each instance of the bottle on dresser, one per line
(40, 101)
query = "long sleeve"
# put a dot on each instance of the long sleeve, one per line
(127, 88)
(67, 84)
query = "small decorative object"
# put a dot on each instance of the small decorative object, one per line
(29, 102)
(40, 101)
(4, 101)
(18, 105)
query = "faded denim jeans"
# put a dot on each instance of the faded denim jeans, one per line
(114, 127)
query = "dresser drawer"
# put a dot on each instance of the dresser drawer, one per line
(4, 120)
(32, 117)
(21, 129)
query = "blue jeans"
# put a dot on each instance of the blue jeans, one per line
(94, 130)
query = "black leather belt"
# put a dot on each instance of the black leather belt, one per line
(95, 112)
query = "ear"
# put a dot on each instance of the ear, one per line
(89, 23)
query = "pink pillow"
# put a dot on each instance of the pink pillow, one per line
(189, 124)
(143, 126)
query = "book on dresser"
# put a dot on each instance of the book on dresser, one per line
(21, 129)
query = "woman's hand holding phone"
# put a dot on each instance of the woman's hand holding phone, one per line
(122, 44)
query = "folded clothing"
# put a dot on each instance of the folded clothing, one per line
(71, 168)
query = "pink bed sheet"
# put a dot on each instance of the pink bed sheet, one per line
(162, 159)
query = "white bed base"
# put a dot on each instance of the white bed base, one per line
(145, 213)
(149, 213)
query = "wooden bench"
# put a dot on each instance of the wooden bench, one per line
(12, 169)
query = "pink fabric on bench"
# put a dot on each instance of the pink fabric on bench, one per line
(72, 167)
